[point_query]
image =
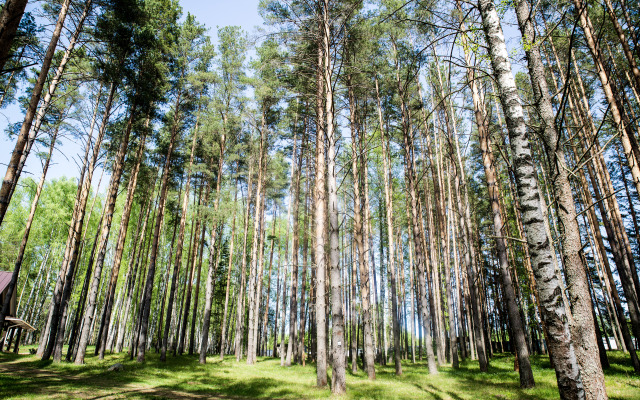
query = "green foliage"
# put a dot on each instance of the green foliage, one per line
(23, 54)
(50, 223)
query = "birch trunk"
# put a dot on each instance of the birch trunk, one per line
(567, 370)
(583, 332)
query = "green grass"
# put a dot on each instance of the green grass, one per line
(25, 376)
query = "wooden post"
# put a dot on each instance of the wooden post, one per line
(13, 331)
(15, 348)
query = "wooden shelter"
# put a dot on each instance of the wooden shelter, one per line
(13, 326)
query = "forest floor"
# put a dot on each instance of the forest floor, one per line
(24, 376)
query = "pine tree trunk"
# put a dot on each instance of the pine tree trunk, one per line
(633, 66)
(620, 262)
(338, 380)
(259, 279)
(352, 310)
(72, 247)
(282, 351)
(390, 232)
(412, 289)
(456, 270)
(366, 236)
(274, 350)
(226, 296)
(295, 249)
(79, 317)
(134, 263)
(209, 289)
(403, 296)
(10, 17)
(627, 137)
(139, 286)
(319, 201)
(243, 274)
(446, 220)
(263, 335)
(122, 236)
(177, 264)
(417, 230)
(36, 284)
(12, 176)
(583, 118)
(433, 210)
(8, 292)
(526, 374)
(632, 209)
(192, 333)
(612, 220)
(140, 339)
(191, 265)
(253, 271)
(124, 290)
(112, 195)
(305, 251)
(46, 101)
(441, 224)
(193, 256)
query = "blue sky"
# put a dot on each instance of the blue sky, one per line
(215, 13)
(212, 13)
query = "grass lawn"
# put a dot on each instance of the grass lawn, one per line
(25, 376)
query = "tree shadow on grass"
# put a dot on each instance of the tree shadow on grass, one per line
(471, 384)
(22, 380)
(247, 390)
(620, 365)
(454, 396)
(256, 388)
(430, 389)
(27, 375)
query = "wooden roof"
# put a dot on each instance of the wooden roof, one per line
(5, 278)
(18, 322)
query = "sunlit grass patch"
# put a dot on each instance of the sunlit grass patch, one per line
(25, 376)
